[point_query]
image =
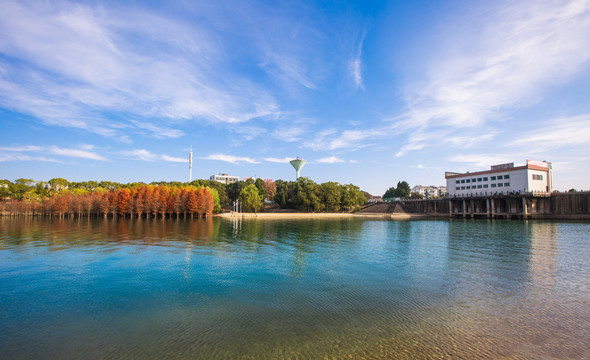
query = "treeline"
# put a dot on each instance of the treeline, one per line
(92, 198)
(306, 195)
(139, 201)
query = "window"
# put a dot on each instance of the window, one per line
(478, 179)
(462, 187)
(479, 186)
(493, 185)
(499, 177)
(468, 181)
(500, 185)
(506, 177)
(493, 178)
(485, 186)
(506, 184)
(457, 188)
(468, 187)
(537, 177)
(462, 181)
(485, 179)
(473, 180)
(457, 182)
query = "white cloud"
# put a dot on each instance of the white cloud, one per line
(557, 133)
(510, 60)
(160, 132)
(77, 63)
(174, 159)
(84, 154)
(230, 159)
(356, 65)
(478, 162)
(12, 156)
(20, 148)
(278, 160)
(145, 155)
(288, 134)
(141, 154)
(348, 139)
(330, 160)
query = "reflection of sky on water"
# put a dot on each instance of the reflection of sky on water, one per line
(313, 288)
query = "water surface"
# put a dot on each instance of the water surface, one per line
(293, 289)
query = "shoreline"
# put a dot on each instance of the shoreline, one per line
(296, 215)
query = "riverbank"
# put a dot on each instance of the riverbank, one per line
(296, 215)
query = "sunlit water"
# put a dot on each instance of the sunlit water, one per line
(297, 289)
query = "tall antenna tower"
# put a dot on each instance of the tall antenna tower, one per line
(190, 165)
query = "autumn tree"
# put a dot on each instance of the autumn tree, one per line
(123, 199)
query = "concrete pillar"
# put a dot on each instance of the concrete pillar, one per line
(488, 208)
(492, 206)
(464, 215)
(524, 209)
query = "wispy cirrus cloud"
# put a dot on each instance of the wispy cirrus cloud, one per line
(17, 156)
(20, 148)
(333, 139)
(330, 160)
(231, 159)
(78, 63)
(556, 133)
(356, 65)
(174, 159)
(278, 160)
(77, 153)
(146, 155)
(514, 56)
(16, 153)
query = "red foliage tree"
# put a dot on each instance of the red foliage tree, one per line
(200, 193)
(123, 198)
(61, 203)
(105, 204)
(192, 204)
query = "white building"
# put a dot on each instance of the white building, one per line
(533, 177)
(430, 191)
(225, 178)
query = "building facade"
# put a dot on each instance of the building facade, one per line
(430, 191)
(533, 177)
(225, 178)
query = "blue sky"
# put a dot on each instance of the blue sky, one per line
(368, 92)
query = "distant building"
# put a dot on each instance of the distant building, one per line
(375, 199)
(533, 177)
(225, 178)
(430, 191)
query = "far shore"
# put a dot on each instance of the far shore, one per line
(301, 215)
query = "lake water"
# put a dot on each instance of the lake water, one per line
(293, 289)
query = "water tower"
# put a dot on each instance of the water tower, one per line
(297, 164)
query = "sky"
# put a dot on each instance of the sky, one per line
(367, 92)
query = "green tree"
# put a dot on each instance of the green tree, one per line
(331, 195)
(403, 189)
(20, 187)
(281, 195)
(58, 184)
(5, 187)
(416, 196)
(251, 199)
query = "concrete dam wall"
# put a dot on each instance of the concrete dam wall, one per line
(574, 206)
